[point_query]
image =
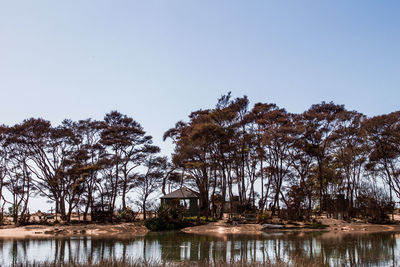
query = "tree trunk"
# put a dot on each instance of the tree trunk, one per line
(124, 186)
(85, 213)
(62, 207)
(144, 210)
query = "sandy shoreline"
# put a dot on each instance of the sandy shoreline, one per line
(126, 230)
(222, 227)
(95, 230)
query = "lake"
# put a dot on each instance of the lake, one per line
(325, 249)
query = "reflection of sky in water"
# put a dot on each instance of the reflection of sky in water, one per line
(367, 249)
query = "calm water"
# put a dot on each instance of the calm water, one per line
(327, 249)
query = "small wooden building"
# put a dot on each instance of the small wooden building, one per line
(185, 199)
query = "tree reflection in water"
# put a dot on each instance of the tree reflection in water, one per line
(326, 249)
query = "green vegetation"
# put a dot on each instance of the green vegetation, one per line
(127, 215)
(315, 225)
(202, 219)
(165, 224)
(170, 218)
(263, 218)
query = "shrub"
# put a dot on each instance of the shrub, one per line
(315, 225)
(171, 218)
(263, 218)
(157, 224)
(166, 224)
(127, 215)
(245, 208)
(203, 219)
(374, 204)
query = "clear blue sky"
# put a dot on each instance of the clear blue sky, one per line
(158, 60)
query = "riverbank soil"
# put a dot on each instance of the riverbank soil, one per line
(222, 227)
(106, 230)
(126, 230)
(359, 226)
(333, 225)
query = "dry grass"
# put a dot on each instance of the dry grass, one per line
(143, 263)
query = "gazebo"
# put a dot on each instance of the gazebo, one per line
(184, 198)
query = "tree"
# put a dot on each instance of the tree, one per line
(350, 153)
(276, 133)
(19, 180)
(3, 170)
(48, 149)
(383, 135)
(127, 146)
(302, 166)
(193, 152)
(321, 121)
(89, 156)
(148, 182)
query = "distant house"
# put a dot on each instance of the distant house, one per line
(183, 198)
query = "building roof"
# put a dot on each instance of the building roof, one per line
(182, 193)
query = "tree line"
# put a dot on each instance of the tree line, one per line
(264, 157)
(86, 164)
(258, 158)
